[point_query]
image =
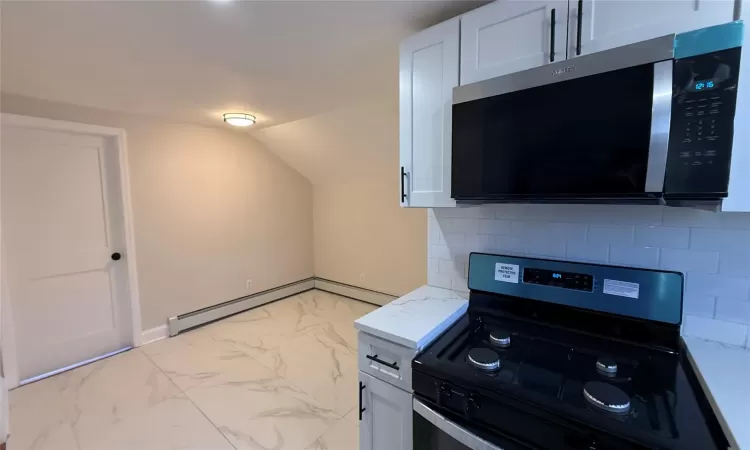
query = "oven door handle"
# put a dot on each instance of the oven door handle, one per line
(451, 429)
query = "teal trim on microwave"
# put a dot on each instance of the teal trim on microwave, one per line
(709, 40)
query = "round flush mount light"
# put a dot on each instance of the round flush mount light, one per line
(239, 119)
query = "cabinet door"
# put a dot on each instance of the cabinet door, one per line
(612, 23)
(428, 74)
(387, 419)
(509, 36)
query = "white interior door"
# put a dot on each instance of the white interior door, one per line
(62, 221)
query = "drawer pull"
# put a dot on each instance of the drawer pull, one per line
(375, 358)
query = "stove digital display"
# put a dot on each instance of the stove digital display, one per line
(567, 280)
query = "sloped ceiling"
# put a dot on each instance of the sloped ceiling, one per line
(340, 146)
(190, 61)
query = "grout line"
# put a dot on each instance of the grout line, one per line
(186, 396)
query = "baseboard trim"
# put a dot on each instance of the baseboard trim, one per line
(203, 316)
(357, 293)
(178, 324)
(154, 334)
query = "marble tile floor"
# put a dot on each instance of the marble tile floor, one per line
(282, 377)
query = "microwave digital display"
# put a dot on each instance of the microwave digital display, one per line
(703, 85)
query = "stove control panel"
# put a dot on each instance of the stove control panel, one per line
(626, 291)
(567, 280)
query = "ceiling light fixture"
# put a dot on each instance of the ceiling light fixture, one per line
(239, 119)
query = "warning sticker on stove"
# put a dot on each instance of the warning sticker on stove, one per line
(506, 272)
(621, 288)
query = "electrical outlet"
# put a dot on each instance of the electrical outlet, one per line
(361, 277)
(248, 284)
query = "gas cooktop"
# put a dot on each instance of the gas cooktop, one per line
(543, 374)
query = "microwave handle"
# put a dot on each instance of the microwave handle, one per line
(451, 429)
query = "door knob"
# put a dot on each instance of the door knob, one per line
(116, 256)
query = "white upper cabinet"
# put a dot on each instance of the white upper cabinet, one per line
(509, 36)
(428, 73)
(612, 23)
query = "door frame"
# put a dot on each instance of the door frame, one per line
(118, 138)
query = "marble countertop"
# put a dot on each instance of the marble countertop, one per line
(724, 373)
(417, 318)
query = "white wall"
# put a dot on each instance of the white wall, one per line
(211, 207)
(712, 250)
(360, 230)
(351, 158)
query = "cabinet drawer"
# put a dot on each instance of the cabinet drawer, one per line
(385, 360)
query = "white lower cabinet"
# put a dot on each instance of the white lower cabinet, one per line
(386, 415)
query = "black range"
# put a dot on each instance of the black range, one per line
(563, 355)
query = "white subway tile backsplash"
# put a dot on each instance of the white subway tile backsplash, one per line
(611, 234)
(699, 305)
(704, 219)
(720, 240)
(635, 214)
(455, 240)
(459, 212)
(733, 310)
(670, 237)
(523, 228)
(487, 226)
(586, 251)
(511, 244)
(713, 250)
(634, 256)
(688, 260)
(734, 263)
(432, 265)
(459, 284)
(479, 242)
(446, 267)
(566, 230)
(688, 217)
(512, 210)
(546, 246)
(439, 252)
(719, 285)
(440, 280)
(462, 225)
(735, 220)
(715, 330)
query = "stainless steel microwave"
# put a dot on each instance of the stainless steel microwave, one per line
(648, 122)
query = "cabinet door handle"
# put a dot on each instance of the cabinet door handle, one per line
(403, 189)
(552, 36)
(361, 409)
(380, 361)
(579, 25)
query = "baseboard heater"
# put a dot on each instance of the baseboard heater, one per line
(188, 321)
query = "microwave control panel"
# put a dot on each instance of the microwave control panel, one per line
(704, 95)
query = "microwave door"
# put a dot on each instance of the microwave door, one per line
(597, 134)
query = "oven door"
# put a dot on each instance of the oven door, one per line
(433, 431)
(596, 127)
